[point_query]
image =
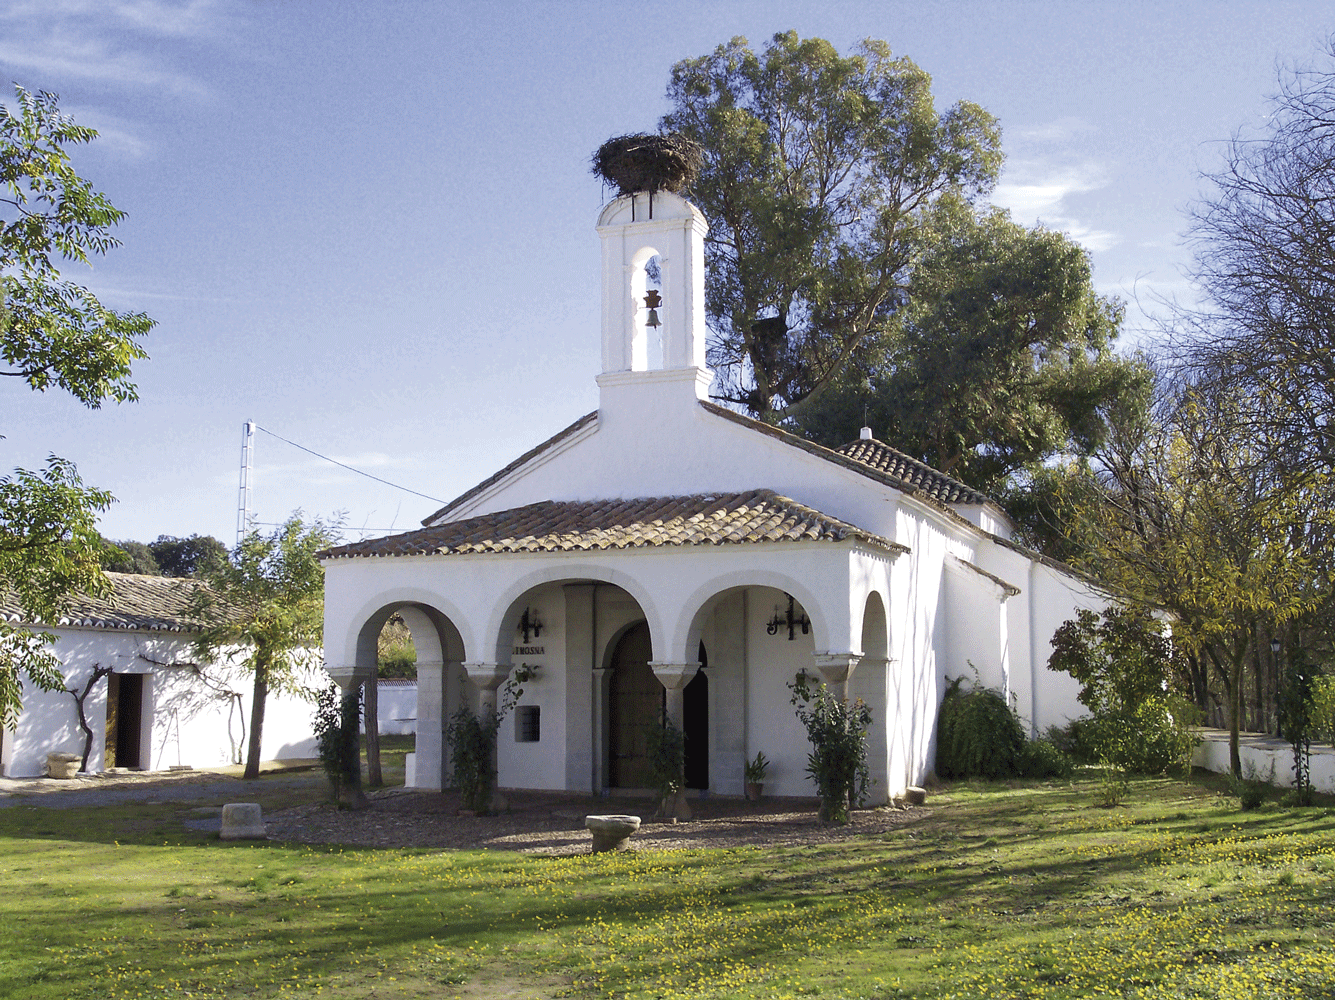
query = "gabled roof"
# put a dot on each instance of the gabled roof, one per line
(522, 460)
(918, 476)
(870, 458)
(139, 603)
(873, 459)
(571, 526)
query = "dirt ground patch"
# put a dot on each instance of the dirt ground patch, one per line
(553, 823)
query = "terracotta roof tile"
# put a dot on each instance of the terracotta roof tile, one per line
(918, 475)
(880, 462)
(147, 603)
(575, 526)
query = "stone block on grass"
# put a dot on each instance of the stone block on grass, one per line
(242, 821)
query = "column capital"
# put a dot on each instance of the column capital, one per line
(674, 676)
(836, 668)
(487, 676)
(348, 678)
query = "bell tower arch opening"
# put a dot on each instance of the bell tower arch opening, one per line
(654, 326)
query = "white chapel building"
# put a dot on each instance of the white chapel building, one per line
(665, 553)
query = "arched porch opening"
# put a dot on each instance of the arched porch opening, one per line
(872, 682)
(744, 630)
(438, 659)
(587, 646)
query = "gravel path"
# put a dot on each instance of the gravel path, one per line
(120, 787)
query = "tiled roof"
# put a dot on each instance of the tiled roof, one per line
(147, 603)
(918, 475)
(573, 526)
(870, 458)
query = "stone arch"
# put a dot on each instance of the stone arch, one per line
(507, 609)
(385, 603)
(439, 640)
(690, 623)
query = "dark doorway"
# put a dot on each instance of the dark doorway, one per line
(125, 716)
(635, 705)
(695, 723)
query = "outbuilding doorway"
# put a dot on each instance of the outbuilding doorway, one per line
(125, 716)
(635, 704)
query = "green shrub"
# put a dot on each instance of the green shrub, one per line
(667, 759)
(978, 735)
(333, 740)
(1323, 708)
(1125, 665)
(1044, 759)
(837, 731)
(1250, 790)
(472, 743)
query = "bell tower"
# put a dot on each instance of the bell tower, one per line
(653, 335)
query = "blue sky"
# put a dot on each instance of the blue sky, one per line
(369, 227)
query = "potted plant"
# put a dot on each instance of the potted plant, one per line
(755, 776)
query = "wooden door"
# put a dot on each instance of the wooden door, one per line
(635, 706)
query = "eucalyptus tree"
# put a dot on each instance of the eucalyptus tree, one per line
(1001, 358)
(817, 172)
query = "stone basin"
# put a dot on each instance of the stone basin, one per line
(611, 833)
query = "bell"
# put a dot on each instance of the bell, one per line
(653, 320)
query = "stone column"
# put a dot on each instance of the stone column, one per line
(488, 677)
(674, 677)
(430, 724)
(835, 669)
(350, 680)
(600, 724)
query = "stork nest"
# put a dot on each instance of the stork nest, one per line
(648, 162)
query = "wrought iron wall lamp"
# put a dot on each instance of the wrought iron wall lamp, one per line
(790, 620)
(529, 623)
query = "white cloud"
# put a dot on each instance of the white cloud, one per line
(1035, 191)
(118, 42)
(61, 54)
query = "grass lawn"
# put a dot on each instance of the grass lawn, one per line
(1028, 890)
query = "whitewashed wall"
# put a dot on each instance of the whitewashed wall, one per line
(193, 714)
(397, 703)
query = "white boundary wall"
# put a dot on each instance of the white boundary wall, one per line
(1264, 757)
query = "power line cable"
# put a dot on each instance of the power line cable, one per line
(343, 465)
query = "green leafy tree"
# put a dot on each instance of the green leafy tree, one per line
(129, 557)
(1125, 664)
(1190, 517)
(265, 605)
(53, 334)
(818, 169)
(1008, 318)
(198, 555)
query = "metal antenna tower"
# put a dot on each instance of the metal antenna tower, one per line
(247, 471)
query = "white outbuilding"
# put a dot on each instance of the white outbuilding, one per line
(664, 552)
(149, 701)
